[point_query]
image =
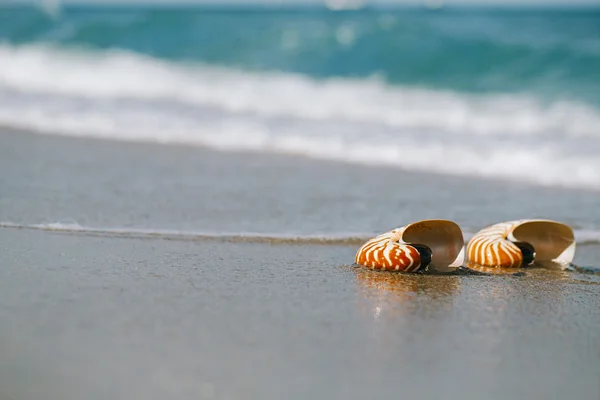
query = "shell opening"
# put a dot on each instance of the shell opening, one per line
(528, 252)
(425, 254)
(443, 238)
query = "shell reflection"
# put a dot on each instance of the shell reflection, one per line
(397, 294)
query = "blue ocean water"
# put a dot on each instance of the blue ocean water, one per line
(551, 52)
(503, 93)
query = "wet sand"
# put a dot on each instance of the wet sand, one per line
(47, 179)
(100, 317)
(103, 314)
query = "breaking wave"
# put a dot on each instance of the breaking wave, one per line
(120, 95)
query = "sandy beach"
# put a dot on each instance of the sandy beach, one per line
(184, 187)
(95, 314)
(96, 317)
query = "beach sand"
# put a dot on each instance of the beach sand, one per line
(96, 318)
(89, 315)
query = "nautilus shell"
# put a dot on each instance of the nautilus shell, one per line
(520, 243)
(432, 244)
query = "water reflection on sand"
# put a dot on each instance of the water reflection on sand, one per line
(394, 294)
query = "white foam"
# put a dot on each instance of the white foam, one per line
(171, 234)
(582, 236)
(124, 96)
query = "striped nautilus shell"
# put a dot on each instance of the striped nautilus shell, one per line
(520, 243)
(432, 244)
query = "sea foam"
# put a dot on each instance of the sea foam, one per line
(121, 95)
(582, 236)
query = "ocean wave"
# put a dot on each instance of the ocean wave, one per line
(125, 96)
(112, 75)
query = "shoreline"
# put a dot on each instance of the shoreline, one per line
(249, 237)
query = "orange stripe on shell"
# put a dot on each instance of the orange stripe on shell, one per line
(491, 248)
(384, 252)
